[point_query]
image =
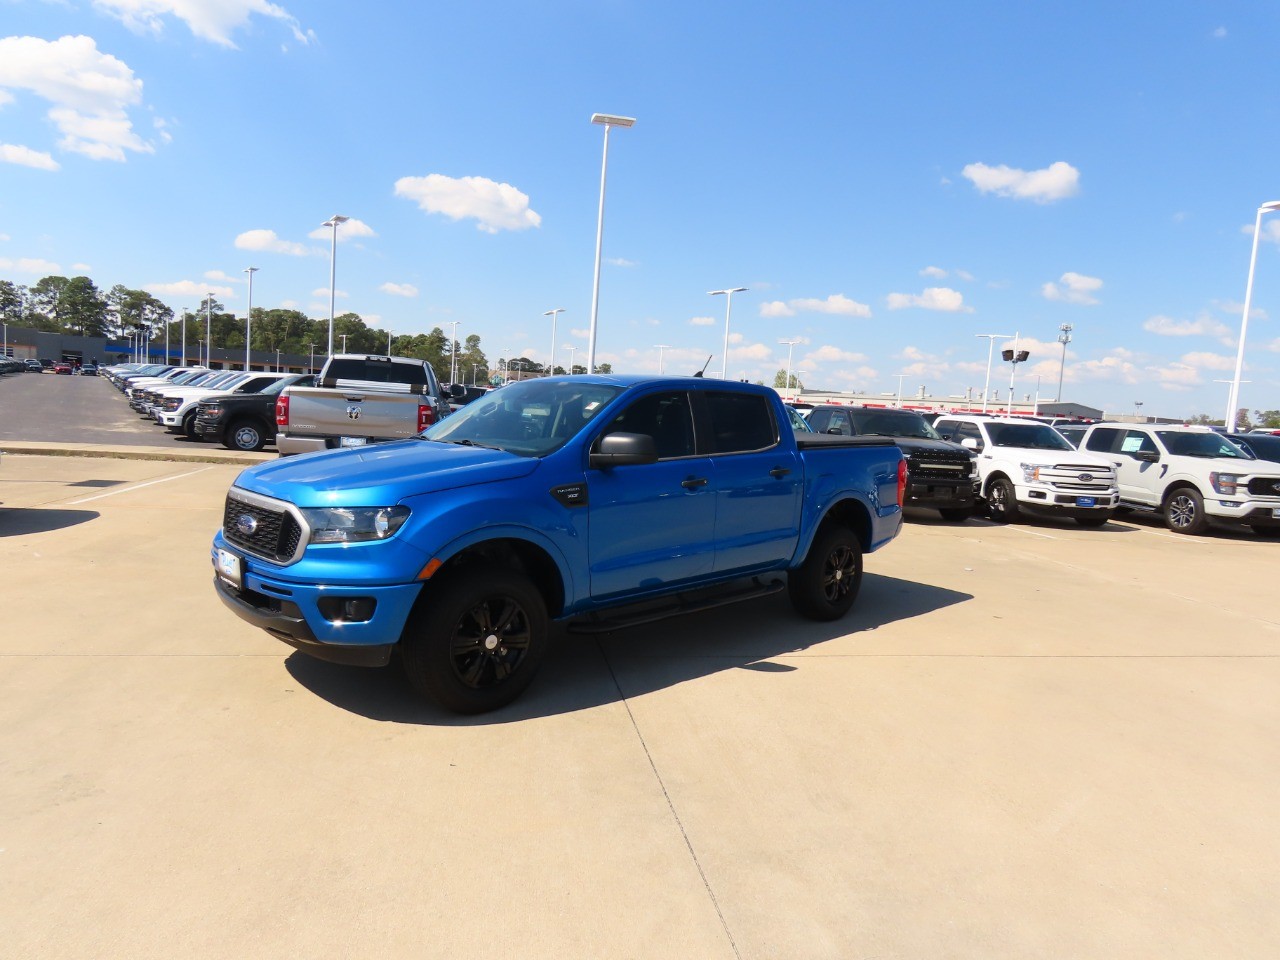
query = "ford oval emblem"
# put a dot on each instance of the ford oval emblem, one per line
(1085, 477)
(1276, 487)
(246, 525)
(353, 413)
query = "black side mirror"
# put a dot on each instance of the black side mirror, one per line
(457, 390)
(1147, 456)
(623, 449)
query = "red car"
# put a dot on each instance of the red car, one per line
(62, 368)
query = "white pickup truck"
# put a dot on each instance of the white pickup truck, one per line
(1027, 465)
(360, 399)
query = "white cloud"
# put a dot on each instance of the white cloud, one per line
(934, 273)
(620, 262)
(832, 354)
(1270, 231)
(943, 299)
(289, 304)
(581, 333)
(703, 321)
(4, 237)
(213, 20)
(82, 267)
(1076, 288)
(752, 351)
(1113, 368)
(219, 275)
(1209, 361)
(1055, 182)
(399, 289)
(1177, 376)
(324, 293)
(351, 229)
(1200, 327)
(1219, 33)
(266, 241)
(189, 288)
(494, 206)
(30, 265)
(89, 92)
(837, 304)
(26, 157)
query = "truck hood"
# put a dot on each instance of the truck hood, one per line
(910, 445)
(381, 474)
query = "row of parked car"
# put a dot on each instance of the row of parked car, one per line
(1192, 476)
(233, 407)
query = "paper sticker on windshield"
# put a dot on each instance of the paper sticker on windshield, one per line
(1131, 445)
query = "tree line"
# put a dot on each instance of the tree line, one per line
(76, 306)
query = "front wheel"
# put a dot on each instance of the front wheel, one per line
(1002, 502)
(1271, 533)
(1184, 512)
(476, 640)
(825, 585)
(244, 435)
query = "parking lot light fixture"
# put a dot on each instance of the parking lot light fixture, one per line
(609, 121)
(790, 346)
(991, 345)
(453, 352)
(335, 221)
(551, 367)
(661, 347)
(572, 350)
(1063, 338)
(208, 332)
(248, 317)
(1014, 357)
(728, 307)
(1233, 398)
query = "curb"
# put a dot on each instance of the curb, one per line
(50, 449)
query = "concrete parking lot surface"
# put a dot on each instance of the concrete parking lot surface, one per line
(1025, 741)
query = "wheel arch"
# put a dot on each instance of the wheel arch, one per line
(1175, 486)
(992, 477)
(512, 553)
(849, 512)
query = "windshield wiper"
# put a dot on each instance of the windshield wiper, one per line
(472, 443)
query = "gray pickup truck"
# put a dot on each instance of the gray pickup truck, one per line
(359, 399)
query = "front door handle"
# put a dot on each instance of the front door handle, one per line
(693, 483)
(779, 472)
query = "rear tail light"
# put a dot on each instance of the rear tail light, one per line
(426, 416)
(902, 482)
(282, 412)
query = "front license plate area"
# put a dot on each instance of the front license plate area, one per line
(1086, 501)
(1275, 512)
(230, 567)
(351, 441)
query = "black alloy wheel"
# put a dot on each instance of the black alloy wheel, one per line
(826, 584)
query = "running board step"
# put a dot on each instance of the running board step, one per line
(675, 606)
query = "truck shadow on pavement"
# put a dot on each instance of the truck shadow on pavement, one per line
(17, 521)
(583, 671)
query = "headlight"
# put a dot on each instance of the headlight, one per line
(1030, 472)
(211, 413)
(1224, 483)
(354, 524)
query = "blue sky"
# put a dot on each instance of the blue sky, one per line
(887, 180)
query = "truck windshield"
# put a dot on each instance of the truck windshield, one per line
(531, 419)
(1029, 436)
(892, 423)
(1207, 445)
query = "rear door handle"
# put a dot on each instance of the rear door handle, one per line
(693, 483)
(779, 472)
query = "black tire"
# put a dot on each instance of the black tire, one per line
(1262, 530)
(1100, 521)
(825, 585)
(1002, 501)
(244, 435)
(475, 640)
(956, 514)
(189, 426)
(1184, 512)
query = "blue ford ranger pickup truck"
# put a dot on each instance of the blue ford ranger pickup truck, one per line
(600, 501)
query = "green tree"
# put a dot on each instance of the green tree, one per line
(780, 382)
(1268, 418)
(46, 305)
(1242, 423)
(136, 311)
(12, 298)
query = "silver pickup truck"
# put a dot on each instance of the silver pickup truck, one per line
(360, 399)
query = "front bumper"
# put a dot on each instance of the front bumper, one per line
(1254, 513)
(937, 494)
(1050, 498)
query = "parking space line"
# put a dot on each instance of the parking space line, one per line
(139, 486)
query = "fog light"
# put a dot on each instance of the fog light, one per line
(347, 609)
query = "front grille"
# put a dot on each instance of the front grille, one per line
(938, 465)
(1067, 476)
(1265, 487)
(276, 536)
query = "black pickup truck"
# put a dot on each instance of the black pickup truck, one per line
(244, 421)
(940, 475)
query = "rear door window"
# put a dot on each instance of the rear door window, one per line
(740, 422)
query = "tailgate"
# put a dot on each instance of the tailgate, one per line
(357, 414)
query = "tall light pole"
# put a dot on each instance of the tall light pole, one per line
(311, 362)
(551, 369)
(167, 359)
(1233, 398)
(790, 346)
(901, 377)
(991, 345)
(609, 121)
(572, 350)
(453, 352)
(1230, 424)
(1063, 338)
(661, 347)
(334, 222)
(208, 331)
(728, 306)
(184, 336)
(344, 342)
(248, 317)
(1014, 357)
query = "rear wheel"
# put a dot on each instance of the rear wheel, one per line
(1002, 501)
(244, 435)
(476, 640)
(1184, 512)
(825, 585)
